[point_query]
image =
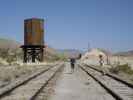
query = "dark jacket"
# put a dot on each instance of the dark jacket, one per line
(72, 60)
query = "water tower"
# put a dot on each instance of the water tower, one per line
(33, 47)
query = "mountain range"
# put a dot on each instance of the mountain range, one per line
(126, 53)
(9, 44)
(6, 43)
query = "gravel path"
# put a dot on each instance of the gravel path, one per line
(78, 86)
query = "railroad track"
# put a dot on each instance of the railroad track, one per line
(111, 75)
(114, 86)
(29, 88)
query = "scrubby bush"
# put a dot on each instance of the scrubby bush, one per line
(10, 59)
(4, 53)
(125, 68)
(11, 55)
(114, 70)
(9, 73)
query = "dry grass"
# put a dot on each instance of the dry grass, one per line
(10, 73)
(125, 68)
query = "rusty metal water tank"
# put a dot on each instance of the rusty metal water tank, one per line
(34, 31)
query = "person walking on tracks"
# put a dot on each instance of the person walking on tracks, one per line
(72, 61)
(101, 62)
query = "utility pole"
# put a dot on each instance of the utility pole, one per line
(88, 46)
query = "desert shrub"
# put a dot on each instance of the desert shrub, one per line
(122, 68)
(114, 70)
(9, 73)
(10, 59)
(4, 53)
(11, 55)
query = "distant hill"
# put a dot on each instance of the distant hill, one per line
(8, 43)
(70, 52)
(49, 51)
(126, 53)
(105, 51)
(10, 47)
(95, 52)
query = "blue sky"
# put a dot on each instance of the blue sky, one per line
(73, 23)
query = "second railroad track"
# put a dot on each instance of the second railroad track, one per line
(114, 86)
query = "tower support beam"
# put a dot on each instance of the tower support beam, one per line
(32, 53)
